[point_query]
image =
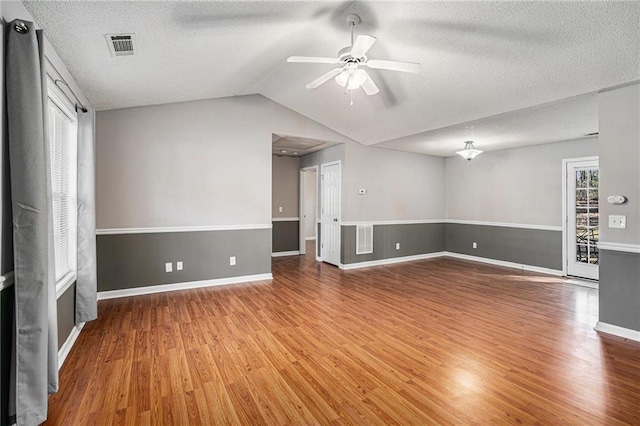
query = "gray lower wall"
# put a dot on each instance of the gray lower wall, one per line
(286, 236)
(620, 289)
(414, 239)
(138, 260)
(532, 247)
(66, 314)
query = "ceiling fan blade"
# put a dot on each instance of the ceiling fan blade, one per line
(413, 67)
(312, 59)
(362, 44)
(369, 86)
(324, 78)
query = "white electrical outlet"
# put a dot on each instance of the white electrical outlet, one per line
(475, 245)
(280, 209)
(617, 221)
(397, 246)
(179, 266)
(168, 267)
(232, 261)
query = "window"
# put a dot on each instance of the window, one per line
(63, 140)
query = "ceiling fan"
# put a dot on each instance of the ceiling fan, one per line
(349, 74)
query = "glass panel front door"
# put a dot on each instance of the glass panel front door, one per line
(583, 219)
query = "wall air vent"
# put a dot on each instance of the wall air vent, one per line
(364, 239)
(120, 44)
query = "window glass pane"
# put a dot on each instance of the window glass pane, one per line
(582, 253)
(594, 255)
(593, 197)
(594, 176)
(581, 178)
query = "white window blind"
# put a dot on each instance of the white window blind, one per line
(63, 151)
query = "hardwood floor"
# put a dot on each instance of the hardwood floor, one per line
(438, 341)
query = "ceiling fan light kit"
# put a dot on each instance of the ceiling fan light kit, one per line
(469, 152)
(349, 74)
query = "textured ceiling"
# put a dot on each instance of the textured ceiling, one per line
(480, 59)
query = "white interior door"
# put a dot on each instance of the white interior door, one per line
(330, 213)
(583, 219)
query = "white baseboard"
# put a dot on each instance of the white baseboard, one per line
(582, 283)
(618, 331)
(68, 344)
(138, 291)
(309, 238)
(285, 253)
(539, 269)
(390, 260)
(318, 259)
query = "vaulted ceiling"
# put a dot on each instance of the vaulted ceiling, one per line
(501, 73)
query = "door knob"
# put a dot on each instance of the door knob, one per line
(335, 219)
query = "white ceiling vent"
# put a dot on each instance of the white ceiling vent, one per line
(364, 239)
(120, 44)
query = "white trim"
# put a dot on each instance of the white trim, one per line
(285, 253)
(285, 219)
(6, 280)
(531, 268)
(506, 224)
(159, 230)
(63, 352)
(390, 260)
(628, 248)
(318, 258)
(391, 222)
(309, 238)
(618, 331)
(113, 294)
(582, 283)
(63, 285)
(457, 221)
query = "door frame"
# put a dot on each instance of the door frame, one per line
(303, 220)
(323, 234)
(565, 214)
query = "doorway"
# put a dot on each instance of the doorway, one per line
(308, 208)
(330, 212)
(582, 217)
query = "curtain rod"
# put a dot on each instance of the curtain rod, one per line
(78, 105)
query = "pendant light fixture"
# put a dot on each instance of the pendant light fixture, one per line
(469, 152)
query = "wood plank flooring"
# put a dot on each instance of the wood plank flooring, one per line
(438, 341)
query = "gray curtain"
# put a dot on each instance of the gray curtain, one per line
(86, 284)
(36, 363)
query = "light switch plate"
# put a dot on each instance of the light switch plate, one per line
(179, 266)
(232, 261)
(617, 221)
(168, 267)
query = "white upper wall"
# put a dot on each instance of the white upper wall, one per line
(198, 163)
(619, 116)
(400, 185)
(520, 185)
